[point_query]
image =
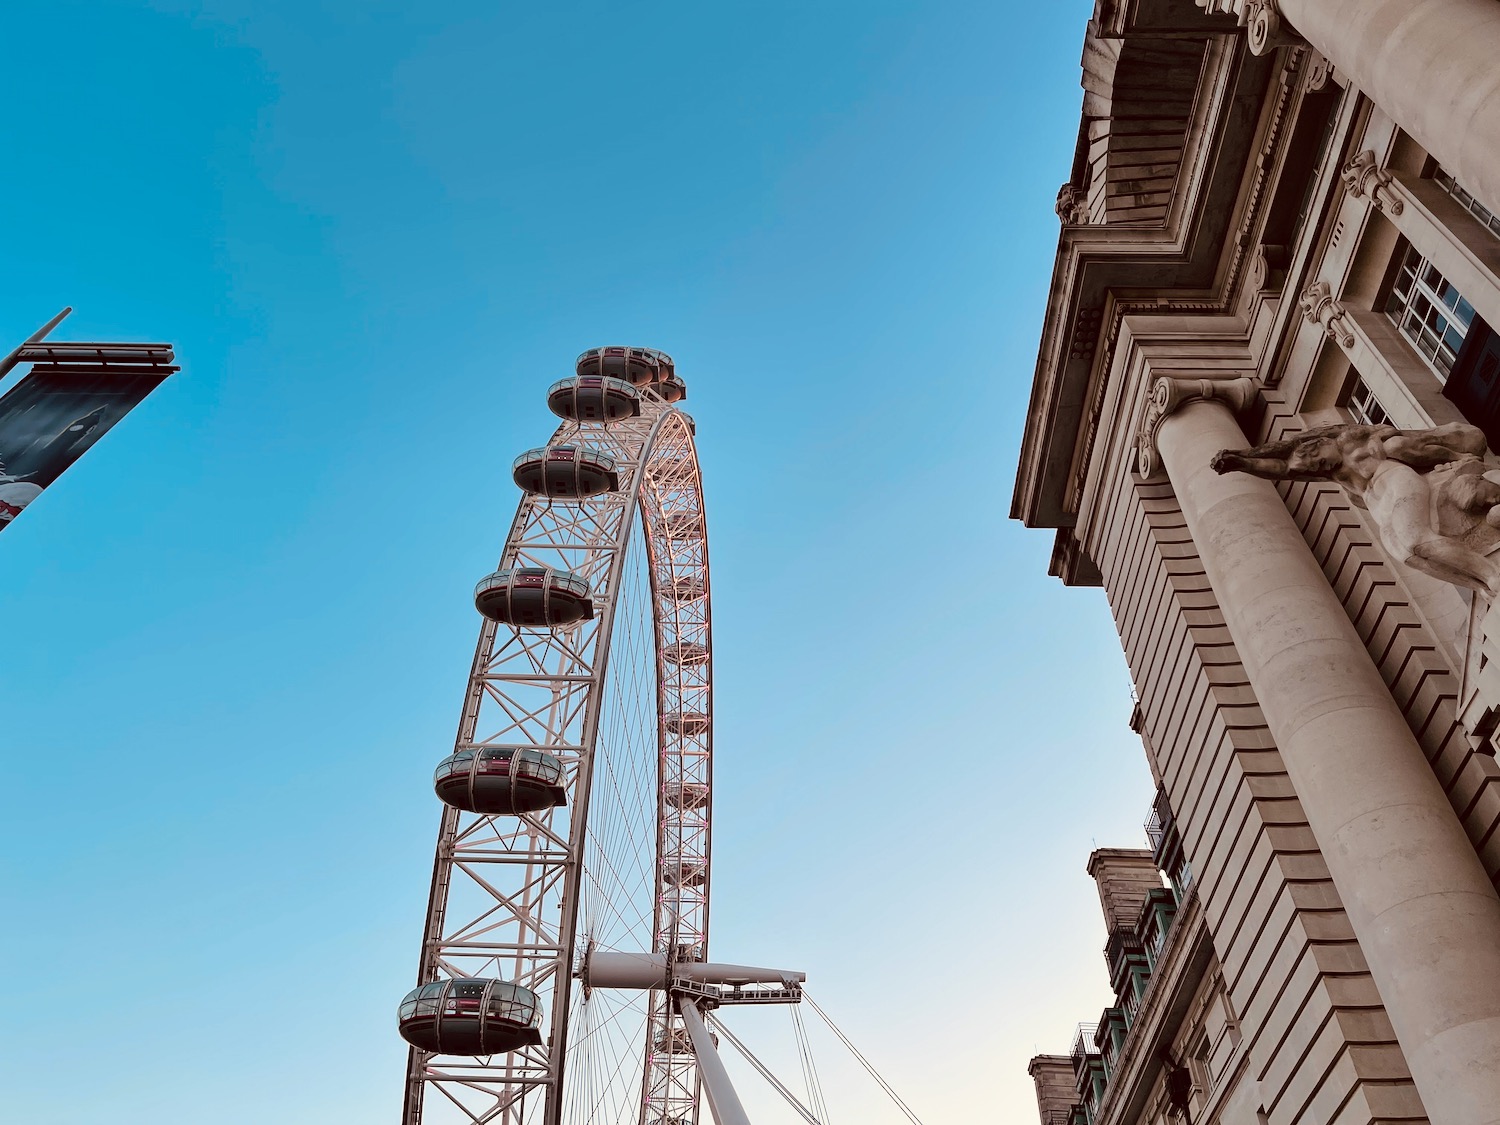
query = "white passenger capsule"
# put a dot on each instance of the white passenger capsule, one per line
(566, 472)
(593, 398)
(685, 652)
(470, 1016)
(533, 596)
(639, 366)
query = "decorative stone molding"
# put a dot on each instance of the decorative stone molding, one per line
(1168, 394)
(1319, 73)
(1268, 268)
(1261, 19)
(1073, 204)
(1320, 307)
(1085, 336)
(1265, 28)
(1364, 176)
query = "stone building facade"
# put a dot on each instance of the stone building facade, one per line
(1284, 215)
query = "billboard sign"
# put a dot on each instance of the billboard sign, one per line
(73, 395)
(49, 420)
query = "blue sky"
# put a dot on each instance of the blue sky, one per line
(235, 635)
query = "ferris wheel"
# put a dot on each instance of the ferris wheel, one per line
(564, 964)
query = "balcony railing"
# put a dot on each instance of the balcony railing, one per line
(1083, 1045)
(1159, 823)
(1122, 943)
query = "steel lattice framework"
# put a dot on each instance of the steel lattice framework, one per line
(626, 861)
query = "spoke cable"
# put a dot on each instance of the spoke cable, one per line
(809, 1068)
(763, 1070)
(864, 1062)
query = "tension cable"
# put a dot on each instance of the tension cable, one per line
(864, 1062)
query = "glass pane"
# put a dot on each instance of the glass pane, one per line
(1464, 197)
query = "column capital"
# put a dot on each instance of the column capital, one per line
(1320, 307)
(1363, 176)
(1168, 393)
(1265, 28)
(1261, 20)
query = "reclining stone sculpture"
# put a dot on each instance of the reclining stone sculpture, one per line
(1426, 490)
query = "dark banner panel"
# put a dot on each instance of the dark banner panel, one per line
(50, 418)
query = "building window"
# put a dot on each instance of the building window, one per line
(1430, 312)
(1365, 406)
(1203, 1077)
(1472, 205)
(1181, 878)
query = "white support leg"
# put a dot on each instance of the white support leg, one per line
(722, 1099)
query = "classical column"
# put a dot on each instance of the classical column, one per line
(1421, 905)
(1431, 65)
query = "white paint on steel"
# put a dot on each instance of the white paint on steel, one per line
(651, 970)
(722, 1099)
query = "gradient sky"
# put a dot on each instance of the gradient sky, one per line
(235, 635)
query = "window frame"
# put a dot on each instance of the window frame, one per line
(1482, 214)
(1428, 310)
(1359, 402)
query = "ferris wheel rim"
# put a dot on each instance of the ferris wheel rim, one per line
(642, 510)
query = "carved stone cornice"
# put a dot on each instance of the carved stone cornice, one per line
(1072, 204)
(1320, 308)
(1178, 269)
(1363, 176)
(1168, 394)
